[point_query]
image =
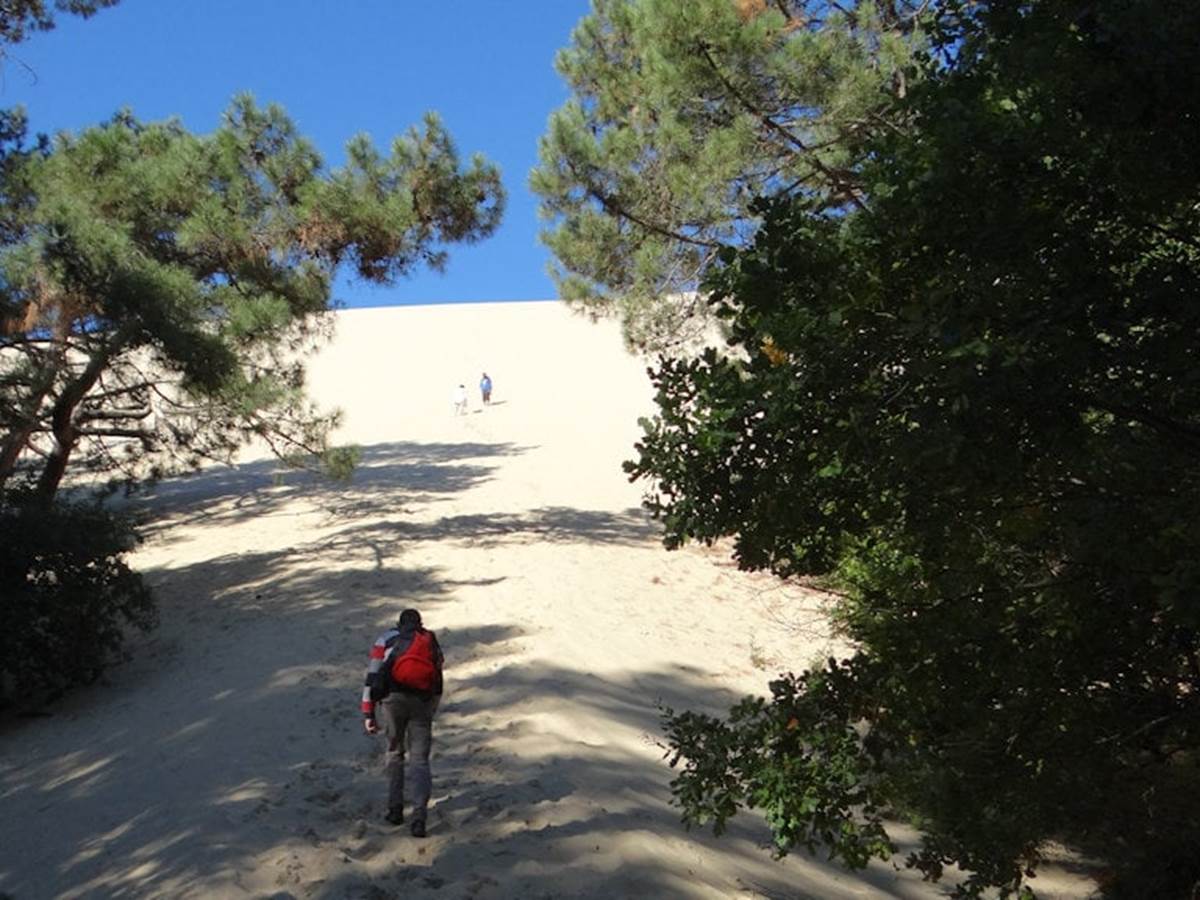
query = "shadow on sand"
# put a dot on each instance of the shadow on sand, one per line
(387, 474)
(230, 749)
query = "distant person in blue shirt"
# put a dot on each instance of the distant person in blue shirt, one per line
(485, 388)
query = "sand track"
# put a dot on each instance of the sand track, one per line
(227, 758)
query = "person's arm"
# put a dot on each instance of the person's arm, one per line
(371, 682)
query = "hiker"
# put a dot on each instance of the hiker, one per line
(485, 388)
(404, 684)
(459, 398)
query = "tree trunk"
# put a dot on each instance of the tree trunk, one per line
(63, 418)
(18, 438)
(11, 451)
(63, 429)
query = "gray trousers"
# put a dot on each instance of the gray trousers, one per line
(408, 725)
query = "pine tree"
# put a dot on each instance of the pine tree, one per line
(684, 111)
(158, 287)
(18, 18)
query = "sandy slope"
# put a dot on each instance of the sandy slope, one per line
(228, 760)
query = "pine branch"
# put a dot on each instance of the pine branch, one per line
(92, 415)
(146, 437)
(838, 182)
(612, 207)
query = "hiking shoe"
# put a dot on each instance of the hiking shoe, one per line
(395, 816)
(418, 829)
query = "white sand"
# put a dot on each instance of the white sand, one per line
(227, 758)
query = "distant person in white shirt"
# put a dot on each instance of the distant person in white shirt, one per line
(459, 397)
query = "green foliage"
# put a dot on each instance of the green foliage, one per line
(67, 595)
(682, 112)
(20, 17)
(973, 406)
(798, 759)
(159, 289)
(340, 462)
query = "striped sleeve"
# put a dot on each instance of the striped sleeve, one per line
(374, 665)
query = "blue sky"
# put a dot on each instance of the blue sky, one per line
(338, 68)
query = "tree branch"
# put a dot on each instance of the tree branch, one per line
(92, 415)
(145, 437)
(834, 178)
(616, 209)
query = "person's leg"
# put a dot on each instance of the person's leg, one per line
(395, 723)
(420, 742)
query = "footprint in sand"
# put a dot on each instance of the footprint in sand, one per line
(361, 852)
(293, 869)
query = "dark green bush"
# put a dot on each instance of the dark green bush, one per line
(66, 595)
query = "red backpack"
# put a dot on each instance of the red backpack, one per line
(416, 667)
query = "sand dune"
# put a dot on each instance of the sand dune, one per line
(227, 758)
